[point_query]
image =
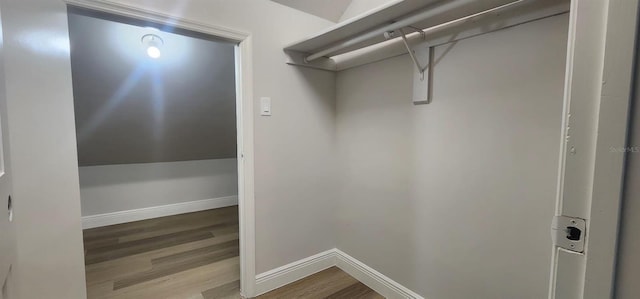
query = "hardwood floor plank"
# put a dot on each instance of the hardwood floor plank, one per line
(175, 229)
(166, 269)
(225, 221)
(100, 290)
(149, 225)
(357, 290)
(183, 284)
(114, 271)
(226, 291)
(100, 242)
(317, 286)
(226, 230)
(121, 266)
(127, 241)
(190, 254)
(130, 248)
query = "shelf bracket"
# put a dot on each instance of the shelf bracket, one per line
(423, 75)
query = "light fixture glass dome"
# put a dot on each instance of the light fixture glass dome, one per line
(153, 52)
(153, 43)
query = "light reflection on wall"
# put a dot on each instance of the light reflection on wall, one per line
(46, 42)
(126, 40)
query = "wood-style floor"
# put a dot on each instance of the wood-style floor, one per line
(331, 283)
(180, 257)
(189, 256)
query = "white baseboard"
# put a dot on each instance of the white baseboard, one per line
(297, 270)
(159, 211)
(377, 281)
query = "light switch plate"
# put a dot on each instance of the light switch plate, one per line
(265, 106)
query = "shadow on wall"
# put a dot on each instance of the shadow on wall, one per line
(309, 79)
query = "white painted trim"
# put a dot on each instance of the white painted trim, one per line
(297, 270)
(244, 105)
(377, 281)
(99, 220)
(600, 59)
(611, 132)
(160, 17)
(300, 269)
(244, 108)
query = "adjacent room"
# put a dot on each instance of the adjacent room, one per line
(155, 112)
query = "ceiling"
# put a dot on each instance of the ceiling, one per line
(331, 10)
(131, 108)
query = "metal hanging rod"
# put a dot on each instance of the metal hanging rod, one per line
(406, 22)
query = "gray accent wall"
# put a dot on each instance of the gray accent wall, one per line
(131, 108)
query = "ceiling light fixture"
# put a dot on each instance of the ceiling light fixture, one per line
(153, 43)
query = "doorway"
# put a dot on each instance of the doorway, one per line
(161, 156)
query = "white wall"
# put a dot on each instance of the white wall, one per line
(46, 192)
(327, 9)
(628, 264)
(112, 188)
(453, 199)
(357, 7)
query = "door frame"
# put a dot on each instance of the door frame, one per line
(244, 116)
(598, 90)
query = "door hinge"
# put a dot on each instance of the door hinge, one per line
(568, 233)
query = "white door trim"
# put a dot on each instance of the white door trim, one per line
(610, 151)
(244, 108)
(600, 57)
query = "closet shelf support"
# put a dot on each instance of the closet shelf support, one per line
(421, 54)
(421, 69)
